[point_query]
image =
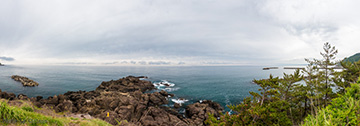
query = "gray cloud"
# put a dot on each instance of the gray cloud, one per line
(6, 58)
(159, 63)
(111, 63)
(76, 63)
(181, 63)
(142, 62)
(148, 32)
(133, 62)
(124, 62)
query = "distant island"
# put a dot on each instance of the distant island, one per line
(268, 68)
(1, 64)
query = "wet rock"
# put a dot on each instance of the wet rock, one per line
(22, 97)
(38, 98)
(25, 81)
(9, 96)
(176, 105)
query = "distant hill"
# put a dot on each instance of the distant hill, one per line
(353, 58)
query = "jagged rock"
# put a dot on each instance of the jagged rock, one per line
(52, 100)
(128, 84)
(25, 81)
(198, 112)
(157, 99)
(66, 105)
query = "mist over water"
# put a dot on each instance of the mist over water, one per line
(223, 84)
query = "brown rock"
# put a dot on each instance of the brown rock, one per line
(22, 97)
(52, 100)
(25, 81)
(198, 112)
(176, 105)
(66, 105)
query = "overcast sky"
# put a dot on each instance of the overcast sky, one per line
(175, 32)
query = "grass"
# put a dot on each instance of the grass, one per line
(26, 116)
(27, 108)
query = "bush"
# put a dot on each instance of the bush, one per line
(344, 110)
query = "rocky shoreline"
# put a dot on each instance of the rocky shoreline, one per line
(125, 101)
(25, 81)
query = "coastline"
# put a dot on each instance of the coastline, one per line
(125, 99)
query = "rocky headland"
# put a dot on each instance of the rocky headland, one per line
(25, 81)
(125, 101)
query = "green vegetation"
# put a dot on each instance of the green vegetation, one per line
(343, 110)
(27, 116)
(353, 58)
(287, 101)
(27, 108)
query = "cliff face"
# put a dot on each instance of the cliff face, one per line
(125, 99)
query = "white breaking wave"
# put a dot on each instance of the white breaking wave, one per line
(164, 83)
(180, 100)
(171, 89)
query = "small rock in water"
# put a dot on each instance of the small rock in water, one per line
(24, 81)
(176, 105)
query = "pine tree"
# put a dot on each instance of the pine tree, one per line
(349, 74)
(320, 76)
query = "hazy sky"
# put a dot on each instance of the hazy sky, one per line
(175, 32)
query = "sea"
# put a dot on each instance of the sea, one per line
(227, 85)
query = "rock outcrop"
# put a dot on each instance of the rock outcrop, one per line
(8, 96)
(198, 112)
(125, 99)
(24, 81)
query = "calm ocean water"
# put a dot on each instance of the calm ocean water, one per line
(223, 84)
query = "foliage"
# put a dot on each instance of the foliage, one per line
(274, 105)
(344, 110)
(320, 76)
(24, 116)
(283, 101)
(27, 108)
(350, 74)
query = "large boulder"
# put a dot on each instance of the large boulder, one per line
(22, 97)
